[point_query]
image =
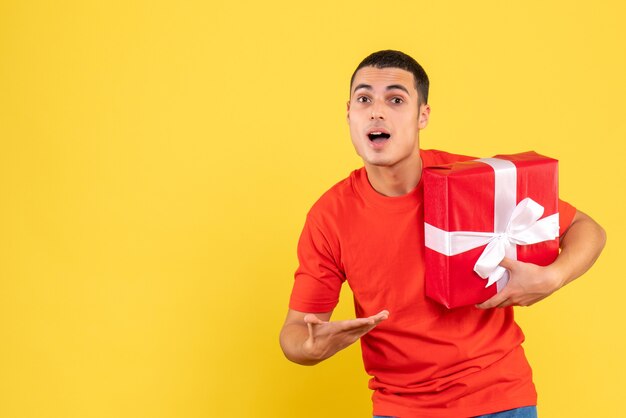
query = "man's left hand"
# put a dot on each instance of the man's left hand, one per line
(528, 284)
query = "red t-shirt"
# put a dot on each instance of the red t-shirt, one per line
(425, 360)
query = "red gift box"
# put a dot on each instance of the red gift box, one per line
(477, 212)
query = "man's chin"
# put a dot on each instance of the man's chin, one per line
(378, 163)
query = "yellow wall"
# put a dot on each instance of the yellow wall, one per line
(157, 161)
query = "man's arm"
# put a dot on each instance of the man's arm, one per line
(529, 283)
(308, 338)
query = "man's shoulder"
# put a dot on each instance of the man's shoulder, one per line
(340, 197)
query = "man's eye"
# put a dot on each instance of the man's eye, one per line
(362, 99)
(397, 100)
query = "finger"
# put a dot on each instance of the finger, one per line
(494, 301)
(380, 316)
(310, 327)
(359, 324)
(376, 319)
(508, 263)
(507, 302)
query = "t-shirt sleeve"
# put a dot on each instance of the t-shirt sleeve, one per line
(566, 215)
(318, 278)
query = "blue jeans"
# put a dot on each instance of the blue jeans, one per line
(525, 412)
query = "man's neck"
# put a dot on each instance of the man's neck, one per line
(397, 180)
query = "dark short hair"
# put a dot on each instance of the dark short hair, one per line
(396, 59)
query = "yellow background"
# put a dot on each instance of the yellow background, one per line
(157, 161)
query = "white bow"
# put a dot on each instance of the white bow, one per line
(524, 228)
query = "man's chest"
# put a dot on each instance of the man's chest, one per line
(383, 257)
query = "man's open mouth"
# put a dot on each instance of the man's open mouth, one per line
(378, 136)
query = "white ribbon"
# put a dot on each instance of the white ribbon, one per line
(513, 225)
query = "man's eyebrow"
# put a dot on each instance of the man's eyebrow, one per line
(390, 87)
(362, 86)
(399, 87)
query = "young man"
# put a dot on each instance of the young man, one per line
(426, 360)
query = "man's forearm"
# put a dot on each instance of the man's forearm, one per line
(297, 337)
(292, 339)
(580, 247)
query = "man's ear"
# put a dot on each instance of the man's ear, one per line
(348, 111)
(423, 116)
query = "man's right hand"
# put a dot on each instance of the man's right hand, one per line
(310, 338)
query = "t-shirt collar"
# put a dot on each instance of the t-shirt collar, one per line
(408, 201)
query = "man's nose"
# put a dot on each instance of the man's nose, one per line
(377, 112)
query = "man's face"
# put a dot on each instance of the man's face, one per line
(385, 117)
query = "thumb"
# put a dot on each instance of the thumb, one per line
(312, 319)
(508, 263)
